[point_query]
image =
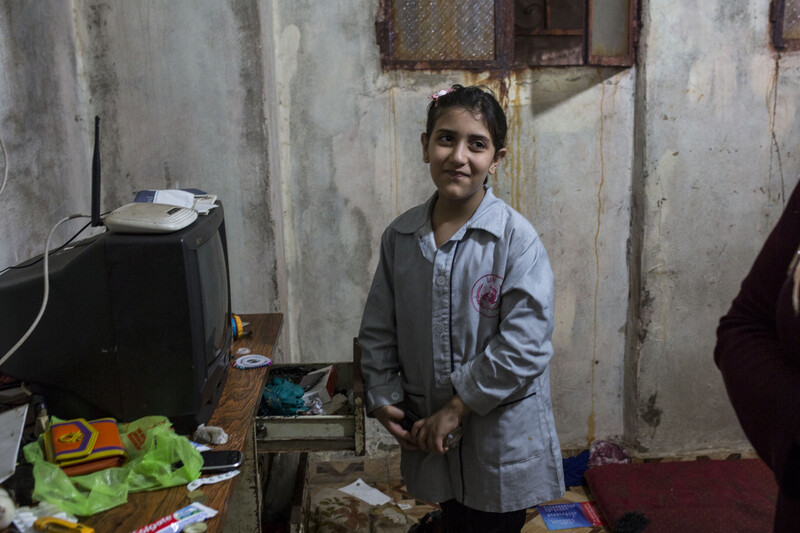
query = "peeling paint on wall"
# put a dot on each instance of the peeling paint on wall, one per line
(710, 164)
(41, 124)
(651, 414)
(590, 437)
(775, 150)
(514, 137)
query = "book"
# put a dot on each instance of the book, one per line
(196, 199)
(81, 447)
(570, 515)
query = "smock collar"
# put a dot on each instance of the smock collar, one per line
(489, 216)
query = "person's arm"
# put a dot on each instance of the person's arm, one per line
(762, 378)
(518, 353)
(380, 365)
(521, 349)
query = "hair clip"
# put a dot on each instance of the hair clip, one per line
(441, 92)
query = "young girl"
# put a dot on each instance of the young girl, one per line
(456, 332)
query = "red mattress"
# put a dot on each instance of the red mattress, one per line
(688, 496)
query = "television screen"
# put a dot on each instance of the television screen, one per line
(135, 325)
(214, 294)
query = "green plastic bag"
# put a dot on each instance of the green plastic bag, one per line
(157, 458)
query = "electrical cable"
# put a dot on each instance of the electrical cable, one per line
(31, 263)
(46, 287)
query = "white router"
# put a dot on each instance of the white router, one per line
(146, 217)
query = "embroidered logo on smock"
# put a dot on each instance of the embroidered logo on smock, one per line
(486, 295)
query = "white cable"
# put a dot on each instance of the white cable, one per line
(5, 168)
(46, 287)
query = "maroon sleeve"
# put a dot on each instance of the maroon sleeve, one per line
(760, 366)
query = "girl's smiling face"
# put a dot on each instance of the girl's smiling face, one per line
(461, 155)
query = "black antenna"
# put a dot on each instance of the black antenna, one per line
(96, 176)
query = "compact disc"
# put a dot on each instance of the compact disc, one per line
(252, 361)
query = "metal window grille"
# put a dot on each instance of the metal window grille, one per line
(785, 21)
(501, 34)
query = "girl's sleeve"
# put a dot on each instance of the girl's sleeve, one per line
(377, 336)
(761, 373)
(521, 349)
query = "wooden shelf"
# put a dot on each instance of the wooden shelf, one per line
(234, 413)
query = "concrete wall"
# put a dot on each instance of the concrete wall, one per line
(652, 187)
(180, 91)
(350, 142)
(718, 127)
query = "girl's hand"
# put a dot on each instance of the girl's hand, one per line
(390, 416)
(430, 433)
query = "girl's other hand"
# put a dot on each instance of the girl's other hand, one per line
(430, 433)
(390, 416)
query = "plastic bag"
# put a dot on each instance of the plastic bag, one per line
(157, 458)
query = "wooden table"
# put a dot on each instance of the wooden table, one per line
(235, 412)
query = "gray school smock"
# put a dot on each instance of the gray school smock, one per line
(474, 317)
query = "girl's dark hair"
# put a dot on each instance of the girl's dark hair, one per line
(478, 99)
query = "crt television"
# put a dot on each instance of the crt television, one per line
(135, 325)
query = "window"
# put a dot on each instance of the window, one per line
(785, 21)
(549, 32)
(502, 34)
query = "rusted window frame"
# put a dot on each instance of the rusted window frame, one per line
(518, 62)
(777, 11)
(504, 43)
(503, 35)
(626, 60)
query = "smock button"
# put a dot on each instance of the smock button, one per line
(441, 280)
(444, 380)
(395, 396)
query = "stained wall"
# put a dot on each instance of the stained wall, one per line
(717, 125)
(652, 187)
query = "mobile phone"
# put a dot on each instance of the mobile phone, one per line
(408, 420)
(221, 460)
(450, 441)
